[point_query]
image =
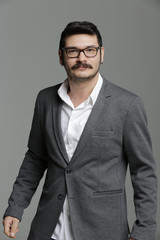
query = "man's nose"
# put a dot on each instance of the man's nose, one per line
(81, 56)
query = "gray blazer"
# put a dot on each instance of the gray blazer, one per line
(115, 136)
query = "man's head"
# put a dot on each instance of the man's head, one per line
(81, 50)
(80, 28)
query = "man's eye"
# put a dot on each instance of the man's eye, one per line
(72, 51)
(90, 49)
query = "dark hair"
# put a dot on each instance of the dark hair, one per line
(80, 28)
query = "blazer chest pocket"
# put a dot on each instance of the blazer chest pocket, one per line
(104, 134)
(106, 141)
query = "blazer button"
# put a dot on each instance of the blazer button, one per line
(68, 171)
(60, 196)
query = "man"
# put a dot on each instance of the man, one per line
(85, 132)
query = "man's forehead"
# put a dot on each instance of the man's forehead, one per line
(81, 40)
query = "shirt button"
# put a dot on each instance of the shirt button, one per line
(69, 147)
(68, 212)
(60, 196)
(68, 171)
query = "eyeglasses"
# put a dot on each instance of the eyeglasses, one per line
(75, 52)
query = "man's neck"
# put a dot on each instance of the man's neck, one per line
(80, 91)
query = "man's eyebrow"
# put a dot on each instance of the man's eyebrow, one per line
(72, 47)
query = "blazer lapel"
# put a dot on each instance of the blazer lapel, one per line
(92, 120)
(57, 127)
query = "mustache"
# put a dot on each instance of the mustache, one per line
(78, 65)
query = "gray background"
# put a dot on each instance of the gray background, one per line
(29, 38)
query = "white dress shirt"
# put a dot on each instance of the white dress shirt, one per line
(73, 121)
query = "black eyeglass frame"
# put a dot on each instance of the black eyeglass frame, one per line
(82, 50)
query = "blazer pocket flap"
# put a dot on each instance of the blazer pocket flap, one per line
(109, 192)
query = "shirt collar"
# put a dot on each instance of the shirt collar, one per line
(62, 92)
(96, 89)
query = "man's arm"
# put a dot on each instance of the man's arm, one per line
(31, 171)
(138, 150)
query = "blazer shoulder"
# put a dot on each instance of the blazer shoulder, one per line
(121, 97)
(119, 93)
(48, 95)
(49, 91)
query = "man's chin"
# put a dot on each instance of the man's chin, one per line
(82, 77)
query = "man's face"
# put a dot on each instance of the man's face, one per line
(81, 68)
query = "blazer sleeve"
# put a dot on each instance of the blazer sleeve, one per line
(138, 149)
(31, 170)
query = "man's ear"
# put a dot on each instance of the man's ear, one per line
(102, 54)
(60, 57)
